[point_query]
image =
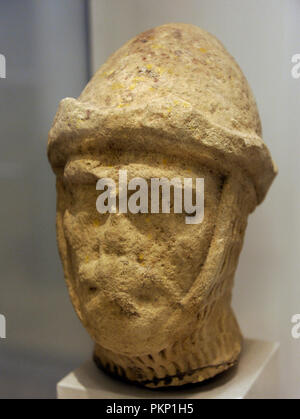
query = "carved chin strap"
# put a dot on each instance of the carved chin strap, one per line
(215, 344)
(237, 201)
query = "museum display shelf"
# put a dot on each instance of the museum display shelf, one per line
(255, 376)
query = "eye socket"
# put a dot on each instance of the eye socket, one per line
(76, 173)
(99, 219)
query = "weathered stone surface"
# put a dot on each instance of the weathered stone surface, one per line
(154, 292)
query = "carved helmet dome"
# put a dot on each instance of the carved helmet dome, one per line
(176, 82)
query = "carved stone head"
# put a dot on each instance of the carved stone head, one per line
(154, 292)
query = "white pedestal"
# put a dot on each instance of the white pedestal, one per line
(256, 376)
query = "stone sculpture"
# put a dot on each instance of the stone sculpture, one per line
(153, 292)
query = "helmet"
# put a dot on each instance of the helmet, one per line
(174, 89)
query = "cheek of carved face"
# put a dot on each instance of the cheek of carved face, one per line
(133, 267)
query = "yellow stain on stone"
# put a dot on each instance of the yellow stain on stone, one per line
(132, 86)
(106, 73)
(186, 105)
(156, 46)
(138, 79)
(160, 70)
(141, 257)
(87, 259)
(96, 223)
(121, 105)
(79, 122)
(149, 66)
(203, 50)
(117, 86)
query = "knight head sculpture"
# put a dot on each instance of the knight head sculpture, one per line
(153, 291)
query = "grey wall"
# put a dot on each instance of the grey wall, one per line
(262, 35)
(45, 47)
